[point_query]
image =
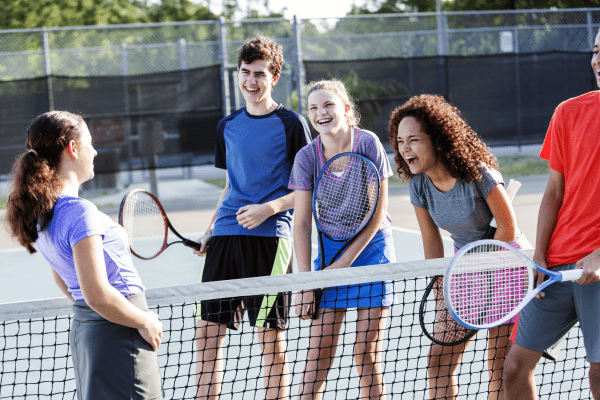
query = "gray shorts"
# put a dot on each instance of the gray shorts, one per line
(112, 361)
(545, 321)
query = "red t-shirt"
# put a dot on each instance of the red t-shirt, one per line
(572, 147)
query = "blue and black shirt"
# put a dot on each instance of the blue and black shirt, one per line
(258, 153)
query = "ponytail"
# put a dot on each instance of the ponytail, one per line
(35, 181)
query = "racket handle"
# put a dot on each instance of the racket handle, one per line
(511, 190)
(571, 275)
(191, 243)
(318, 294)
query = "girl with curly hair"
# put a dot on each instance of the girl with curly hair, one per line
(331, 113)
(113, 337)
(454, 185)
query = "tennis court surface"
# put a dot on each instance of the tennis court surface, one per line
(34, 352)
(35, 362)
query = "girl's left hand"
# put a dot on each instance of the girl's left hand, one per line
(304, 302)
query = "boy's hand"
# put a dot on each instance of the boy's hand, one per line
(253, 215)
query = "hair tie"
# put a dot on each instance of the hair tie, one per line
(33, 151)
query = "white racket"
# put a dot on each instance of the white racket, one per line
(511, 191)
(488, 282)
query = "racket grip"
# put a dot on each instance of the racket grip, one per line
(317, 302)
(571, 275)
(192, 244)
(511, 190)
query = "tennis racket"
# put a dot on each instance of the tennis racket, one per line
(437, 324)
(344, 200)
(488, 282)
(147, 225)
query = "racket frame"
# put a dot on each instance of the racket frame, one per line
(553, 277)
(424, 301)
(511, 191)
(168, 226)
(319, 292)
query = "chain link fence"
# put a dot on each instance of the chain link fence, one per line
(179, 79)
(150, 48)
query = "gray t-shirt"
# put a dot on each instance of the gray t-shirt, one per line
(462, 210)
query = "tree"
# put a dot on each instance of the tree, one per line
(402, 6)
(179, 10)
(17, 14)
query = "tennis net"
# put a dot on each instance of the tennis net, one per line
(35, 357)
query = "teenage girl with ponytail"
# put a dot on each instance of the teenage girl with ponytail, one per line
(114, 337)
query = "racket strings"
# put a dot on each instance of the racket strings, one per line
(487, 284)
(345, 196)
(145, 225)
(439, 321)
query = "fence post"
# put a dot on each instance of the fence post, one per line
(127, 109)
(442, 37)
(590, 28)
(183, 66)
(48, 68)
(224, 58)
(183, 99)
(182, 53)
(299, 76)
(518, 87)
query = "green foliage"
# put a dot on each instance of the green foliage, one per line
(514, 166)
(216, 182)
(18, 14)
(179, 10)
(403, 6)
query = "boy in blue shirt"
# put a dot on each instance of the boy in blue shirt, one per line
(250, 233)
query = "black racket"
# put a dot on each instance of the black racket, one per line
(434, 318)
(344, 200)
(147, 225)
(436, 322)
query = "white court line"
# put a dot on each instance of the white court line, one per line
(396, 228)
(199, 234)
(16, 250)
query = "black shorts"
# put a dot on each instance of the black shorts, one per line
(240, 256)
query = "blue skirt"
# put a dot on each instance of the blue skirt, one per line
(380, 250)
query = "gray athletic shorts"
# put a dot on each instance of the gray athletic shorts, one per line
(546, 320)
(112, 361)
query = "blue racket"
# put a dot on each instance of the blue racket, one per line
(344, 200)
(488, 282)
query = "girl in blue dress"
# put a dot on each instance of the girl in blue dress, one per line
(332, 114)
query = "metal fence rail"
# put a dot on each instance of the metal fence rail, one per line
(162, 47)
(149, 48)
(134, 79)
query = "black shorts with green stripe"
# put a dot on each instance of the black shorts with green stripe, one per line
(240, 256)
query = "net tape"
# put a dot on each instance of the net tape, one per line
(35, 361)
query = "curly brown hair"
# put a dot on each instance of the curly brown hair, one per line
(35, 181)
(457, 146)
(262, 48)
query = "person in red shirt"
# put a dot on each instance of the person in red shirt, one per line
(568, 237)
